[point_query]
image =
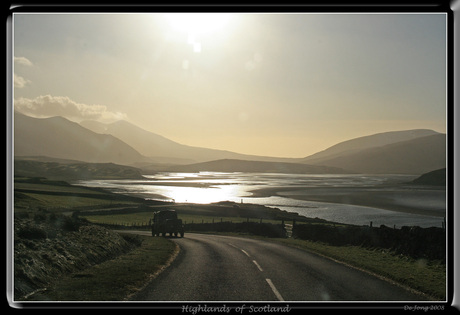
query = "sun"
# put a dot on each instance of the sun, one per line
(197, 26)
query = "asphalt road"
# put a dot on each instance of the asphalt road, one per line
(225, 268)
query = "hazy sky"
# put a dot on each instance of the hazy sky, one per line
(285, 85)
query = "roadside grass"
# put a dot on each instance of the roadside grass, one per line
(428, 277)
(114, 280)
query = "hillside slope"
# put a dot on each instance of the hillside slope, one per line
(367, 142)
(416, 156)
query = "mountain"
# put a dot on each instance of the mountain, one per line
(163, 150)
(60, 138)
(231, 165)
(367, 142)
(402, 152)
(415, 156)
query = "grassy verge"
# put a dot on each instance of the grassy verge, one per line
(427, 277)
(116, 279)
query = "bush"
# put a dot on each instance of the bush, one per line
(32, 233)
(69, 224)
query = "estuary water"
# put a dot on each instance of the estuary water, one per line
(353, 199)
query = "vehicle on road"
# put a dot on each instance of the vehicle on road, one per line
(166, 221)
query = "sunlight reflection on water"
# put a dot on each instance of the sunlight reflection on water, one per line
(211, 187)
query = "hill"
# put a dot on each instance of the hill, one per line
(163, 150)
(435, 178)
(60, 138)
(367, 142)
(231, 165)
(415, 156)
(66, 170)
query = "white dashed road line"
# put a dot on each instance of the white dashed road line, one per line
(245, 252)
(258, 266)
(270, 283)
(272, 286)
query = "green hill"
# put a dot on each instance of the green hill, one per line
(435, 178)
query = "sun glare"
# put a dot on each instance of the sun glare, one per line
(197, 24)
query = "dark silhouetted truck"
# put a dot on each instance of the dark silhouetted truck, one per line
(166, 221)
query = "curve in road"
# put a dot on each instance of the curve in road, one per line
(226, 268)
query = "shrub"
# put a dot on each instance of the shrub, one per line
(32, 232)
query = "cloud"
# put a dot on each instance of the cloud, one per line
(48, 106)
(20, 82)
(22, 61)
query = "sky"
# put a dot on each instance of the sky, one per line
(284, 85)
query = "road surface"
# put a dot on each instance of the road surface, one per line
(225, 268)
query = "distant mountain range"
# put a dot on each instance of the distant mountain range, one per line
(399, 152)
(162, 150)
